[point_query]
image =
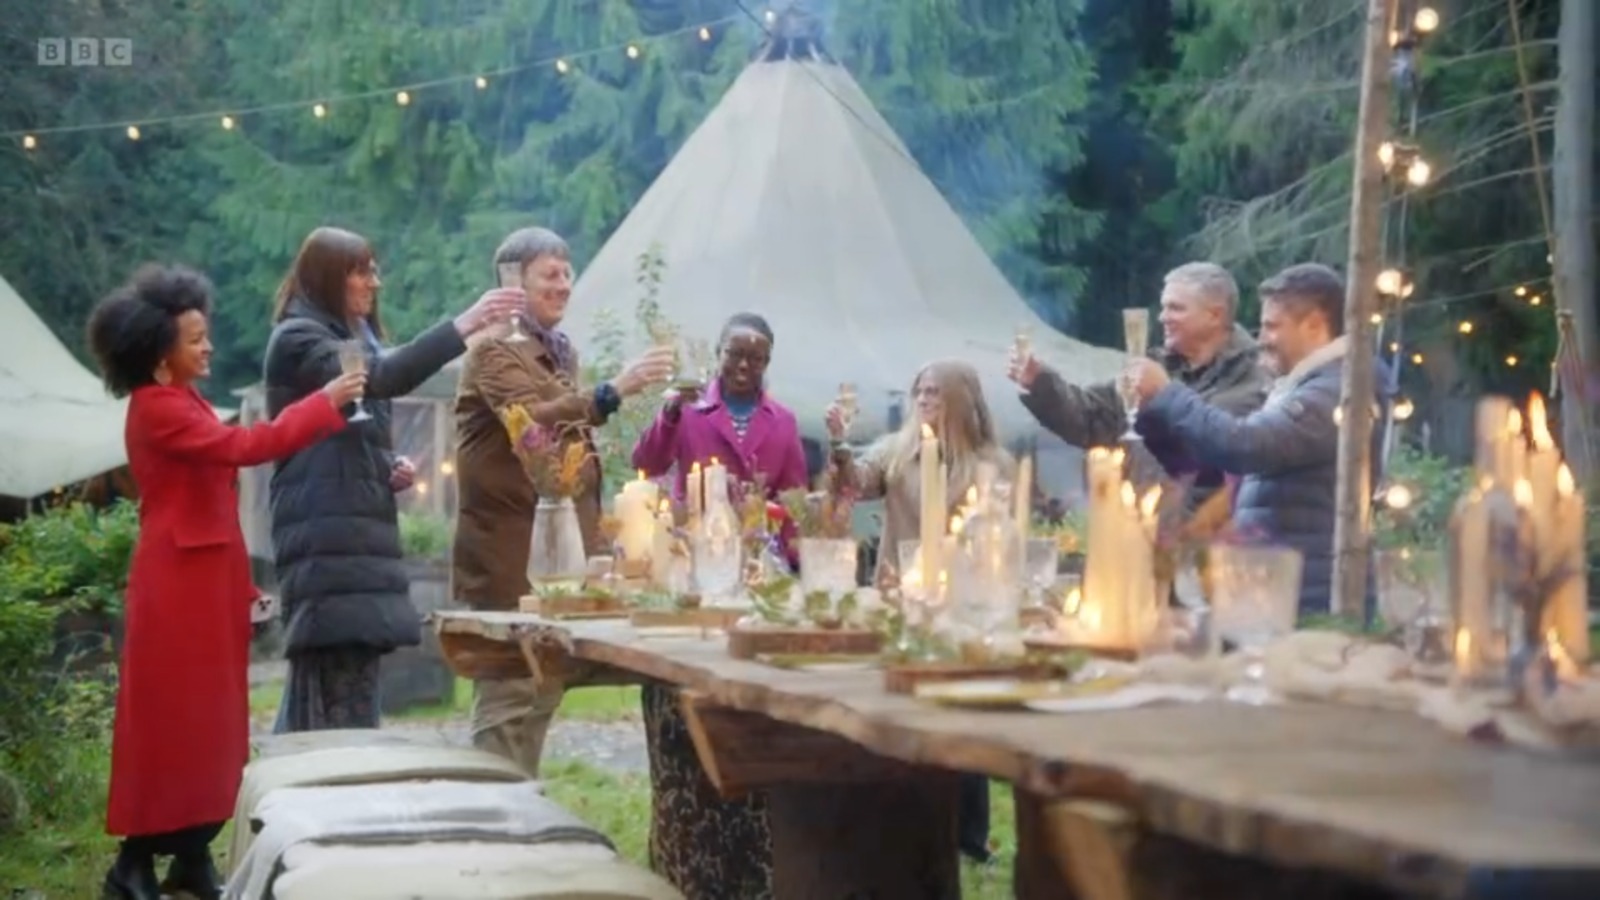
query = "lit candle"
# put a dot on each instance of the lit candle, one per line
(1543, 461)
(693, 496)
(1567, 615)
(661, 543)
(635, 506)
(1514, 463)
(933, 510)
(1105, 582)
(715, 484)
(1024, 498)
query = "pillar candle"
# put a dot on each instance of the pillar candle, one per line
(1543, 461)
(1567, 614)
(635, 508)
(1025, 498)
(693, 497)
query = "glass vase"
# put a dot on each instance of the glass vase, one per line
(555, 553)
(828, 565)
(718, 547)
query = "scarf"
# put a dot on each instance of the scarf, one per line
(555, 342)
(1330, 352)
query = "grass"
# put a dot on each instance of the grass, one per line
(586, 704)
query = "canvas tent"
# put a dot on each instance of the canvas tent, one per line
(795, 199)
(57, 424)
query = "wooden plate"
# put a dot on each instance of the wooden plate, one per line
(820, 662)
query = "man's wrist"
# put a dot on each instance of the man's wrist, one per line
(607, 399)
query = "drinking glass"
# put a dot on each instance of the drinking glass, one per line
(847, 405)
(1255, 596)
(1136, 336)
(352, 359)
(1022, 343)
(511, 277)
(913, 593)
(1040, 565)
(1410, 585)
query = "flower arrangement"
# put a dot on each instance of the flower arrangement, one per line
(557, 460)
(828, 513)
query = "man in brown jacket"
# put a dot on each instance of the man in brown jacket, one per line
(494, 515)
(1203, 347)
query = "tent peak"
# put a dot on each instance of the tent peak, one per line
(793, 33)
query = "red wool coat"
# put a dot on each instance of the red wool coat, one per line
(182, 731)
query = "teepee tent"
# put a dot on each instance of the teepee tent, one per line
(795, 199)
(57, 424)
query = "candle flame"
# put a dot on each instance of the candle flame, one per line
(1463, 645)
(1118, 455)
(1128, 498)
(927, 431)
(972, 496)
(1152, 499)
(955, 524)
(1522, 492)
(1097, 453)
(1566, 485)
(665, 507)
(641, 474)
(1566, 667)
(714, 462)
(1539, 424)
(695, 469)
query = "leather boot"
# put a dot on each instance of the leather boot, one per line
(194, 875)
(132, 877)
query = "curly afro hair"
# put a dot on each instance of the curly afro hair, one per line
(134, 328)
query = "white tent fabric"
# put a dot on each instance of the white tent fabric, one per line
(794, 199)
(57, 424)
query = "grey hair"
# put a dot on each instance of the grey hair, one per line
(525, 245)
(1212, 282)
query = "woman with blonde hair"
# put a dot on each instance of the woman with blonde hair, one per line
(948, 398)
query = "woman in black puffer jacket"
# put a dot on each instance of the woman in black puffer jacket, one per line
(335, 529)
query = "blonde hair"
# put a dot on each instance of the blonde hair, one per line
(966, 430)
(1212, 282)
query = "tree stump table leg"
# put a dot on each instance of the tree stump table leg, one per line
(892, 840)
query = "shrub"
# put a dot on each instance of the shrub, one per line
(425, 536)
(72, 554)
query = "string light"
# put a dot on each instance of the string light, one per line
(319, 111)
(705, 33)
(403, 98)
(1465, 327)
(1535, 300)
(1403, 409)
(1426, 20)
(1512, 360)
(29, 142)
(481, 82)
(633, 52)
(227, 123)
(1377, 318)
(1416, 359)
(1398, 497)
(1521, 290)
(447, 468)
(561, 66)
(133, 132)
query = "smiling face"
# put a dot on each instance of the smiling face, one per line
(361, 290)
(547, 279)
(1188, 318)
(189, 358)
(929, 400)
(746, 353)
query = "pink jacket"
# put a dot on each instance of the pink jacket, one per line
(704, 431)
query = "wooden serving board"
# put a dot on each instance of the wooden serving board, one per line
(748, 643)
(703, 617)
(573, 606)
(903, 678)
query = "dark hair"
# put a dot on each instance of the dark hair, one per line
(746, 320)
(134, 328)
(327, 257)
(1306, 288)
(525, 245)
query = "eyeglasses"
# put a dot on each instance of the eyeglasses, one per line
(368, 270)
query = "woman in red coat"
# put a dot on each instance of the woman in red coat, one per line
(181, 737)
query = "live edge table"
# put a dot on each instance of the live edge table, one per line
(1196, 801)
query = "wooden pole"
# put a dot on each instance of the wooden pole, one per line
(1574, 251)
(1352, 526)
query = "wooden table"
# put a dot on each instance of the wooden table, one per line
(1196, 801)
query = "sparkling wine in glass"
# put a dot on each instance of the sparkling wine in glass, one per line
(664, 335)
(1136, 337)
(1022, 343)
(511, 277)
(353, 359)
(848, 405)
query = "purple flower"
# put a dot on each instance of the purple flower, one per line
(535, 439)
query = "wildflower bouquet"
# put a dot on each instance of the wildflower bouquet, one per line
(557, 460)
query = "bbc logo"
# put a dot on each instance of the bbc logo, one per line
(86, 51)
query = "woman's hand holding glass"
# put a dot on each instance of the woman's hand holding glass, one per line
(347, 387)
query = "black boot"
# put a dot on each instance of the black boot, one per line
(194, 875)
(132, 877)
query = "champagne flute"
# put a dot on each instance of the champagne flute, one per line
(511, 277)
(1022, 344)
(1136, 336)
(352, 359)
(847, 406)
(663, 335)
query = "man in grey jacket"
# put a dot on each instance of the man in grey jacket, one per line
(1203, 347)
(1286, 453)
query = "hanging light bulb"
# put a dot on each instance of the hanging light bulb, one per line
(1398, 497)
(1377, 318)
(633, 51)
(1403, 409)
(403, 98)
(705, 33)
(1512, 360)
(1416, 359)
(29, 142)
(133, 132)
(228, 123)
(1394, 346)
(481, 82)
(1386, 155)
(319, 111)
(1418, 172)
(562, 67)
(1535, 300)
(1465, 327)
(1521, 291)
(1426, 20)
(1391, 282)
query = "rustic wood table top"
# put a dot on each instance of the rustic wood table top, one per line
(1380, 795)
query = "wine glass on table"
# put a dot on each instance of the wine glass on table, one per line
(511, 277)
(353, 359)
(1136, 336)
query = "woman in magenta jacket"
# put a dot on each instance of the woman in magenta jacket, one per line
(753, 435)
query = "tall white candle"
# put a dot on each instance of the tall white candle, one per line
(1568, 612)
(715, 484)
(1543, 461)
(635, 508)
(694, 497)
(932, 514)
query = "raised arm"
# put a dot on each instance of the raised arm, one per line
(1083, 416)
(866, 472)
(657, 448)
(173, 420)
(503, 377)
(1295, 433)
(304, 355)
